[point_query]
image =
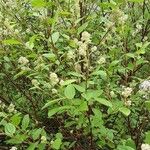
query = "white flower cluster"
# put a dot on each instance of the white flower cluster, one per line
(112, 94)
(2, 105)
(11, 108)
(137, 30)
(145, 147)
(102, 60)
(61, 82)
(23, 60)
(82, 48)
(7, 24)
(11, 3)
(70, 54)
(93, 49)
(128, 103)
(35, 82)
(86, 37)
(54, 91)
(54, 78)
(43, 139)
(77, 8)
(13, 148)
(119, 16)
(145, 86)
(83, 44)
(126, 92)
(77, 67)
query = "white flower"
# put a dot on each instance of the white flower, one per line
(86, 37)
(123, 18)
(25, 68)
(77, 68)
(43, 139)
(77, 8)
(128, 103)
(70, 55)
(35, 82)
(54, 91)
(112, 93)
(79, 43)
(23, 60)
(127, 92)
(28, 30)
(109, 25)
(119, 16)
(11, 108)
(76, 41)
(145, 85)
(54, 78)
(3, 106)
(145, 38)
(139, 26)
(61, 82)
(102, 60)
(145, 147)
(13, 148)
(82, 49)
(94, 48)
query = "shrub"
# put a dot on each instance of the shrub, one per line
(75, 74)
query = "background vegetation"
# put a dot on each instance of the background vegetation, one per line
(74, 74)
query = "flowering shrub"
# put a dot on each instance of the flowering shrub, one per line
(75, 75)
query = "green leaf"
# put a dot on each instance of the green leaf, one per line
(53, 112)
(79, 88)
(32, 146)
(56, 144)
(83, 106)
(70, 91)
(124, 147)
(76, 74)
(38, 3)
(114, 63)
(147, 137)
(147, 105)
(104, 102)
(82, 28)
(50, 56)
(21, 73)
(36, 133)
(18, 139)
(102, 74)
(131, 143)
(51, 102)
(25, 122)
(15, 120)
(130, 55)
(55, 37)
(125, 111)
(67, 82)
(58, 109)
(10, 129)
(11, 42)
(136, 1)
(89, 94)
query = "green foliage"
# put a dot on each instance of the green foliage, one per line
(75, 74)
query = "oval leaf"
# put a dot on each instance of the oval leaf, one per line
(10, 129)
(69, 91)
(125, 111)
